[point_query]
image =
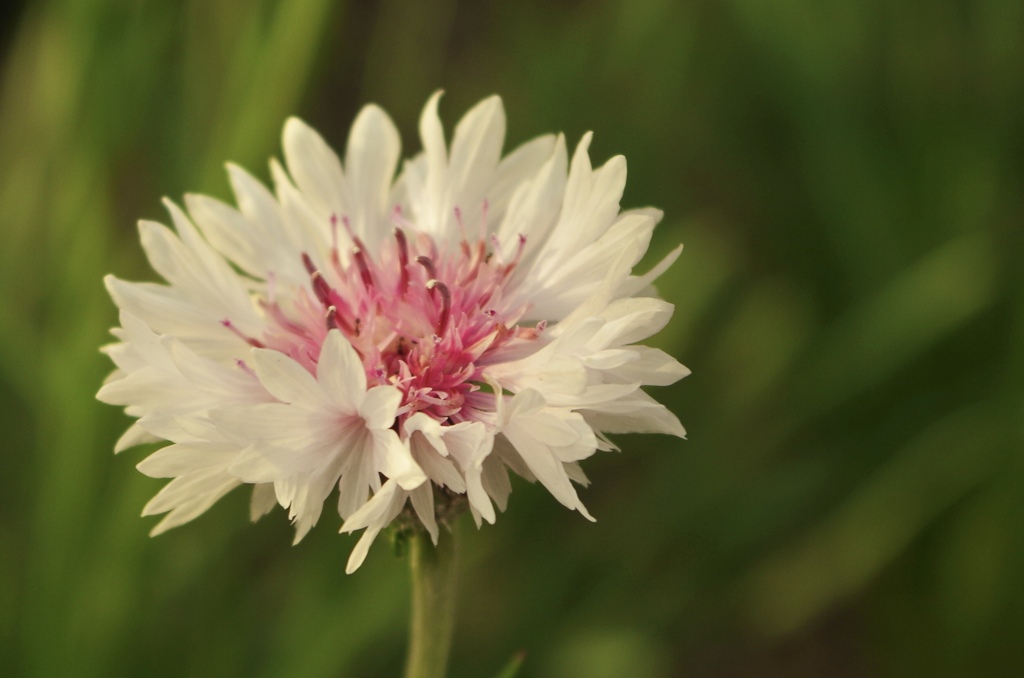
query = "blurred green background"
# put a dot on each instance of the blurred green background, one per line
(846, 177)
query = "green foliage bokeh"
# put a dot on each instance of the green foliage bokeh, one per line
(847, 179)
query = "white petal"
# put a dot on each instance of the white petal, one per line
(192, 266)
(186, 488)
(286, 490)
(563, 278)
(375, 516)
(422, 499)
(147, 389)
(635, 285)
(429, 427)
(631, 320)
(515, 169)
(341, 374)
(230, 233)
(304, 227)
(285, 379)
(496, 482)
(165, 426)
(379, 407)
(577, 188)
(534, 208)
(370, 160)
(610, 359)
(362, 548)
(543, 464)
(469, 444)
(125, 358)
(373, 511)
(251, 466)
(425, 438)
(178, 460)
(315, 168)
(591, 396)
(221, 382)
(637, 413)
(135, 435)
(554, 431)
(601, 296)
(275, 422)
(263, 500)
(547, 372)
(146, 343)
(167, 311)
(652, 367)
(318, 487)
(398, 463)
(476, 149)
(443, 473)
(540, 456)
(591, 201)
(595, 256)
(192, 508)
(354, 488)
(575, 473)
(434, 147)
(508, 455)
(439, 469)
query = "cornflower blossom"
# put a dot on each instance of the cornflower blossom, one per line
(406, 341)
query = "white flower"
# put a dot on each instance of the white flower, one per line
(403, 340)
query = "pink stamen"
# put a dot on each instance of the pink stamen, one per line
(460, 222)
(362, 264)
(427, 263)
(255, 343)
(321, 288)
(430, 330)
(278, 316)
(398, 217)
(403, 260)
(515, 260)
(308, 263)
(519, 250)
(446, 304)
(475, 257)
(335, 257)
(248, 370)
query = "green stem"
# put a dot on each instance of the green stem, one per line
(434, 571)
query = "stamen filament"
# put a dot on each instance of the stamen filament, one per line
(446, 304)
(255, 343)
(364, 268)
(403, 261)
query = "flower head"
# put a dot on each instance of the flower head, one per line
(401, 340)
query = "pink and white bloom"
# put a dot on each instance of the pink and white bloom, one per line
(405, 340)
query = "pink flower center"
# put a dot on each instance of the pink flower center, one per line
(422, 318)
